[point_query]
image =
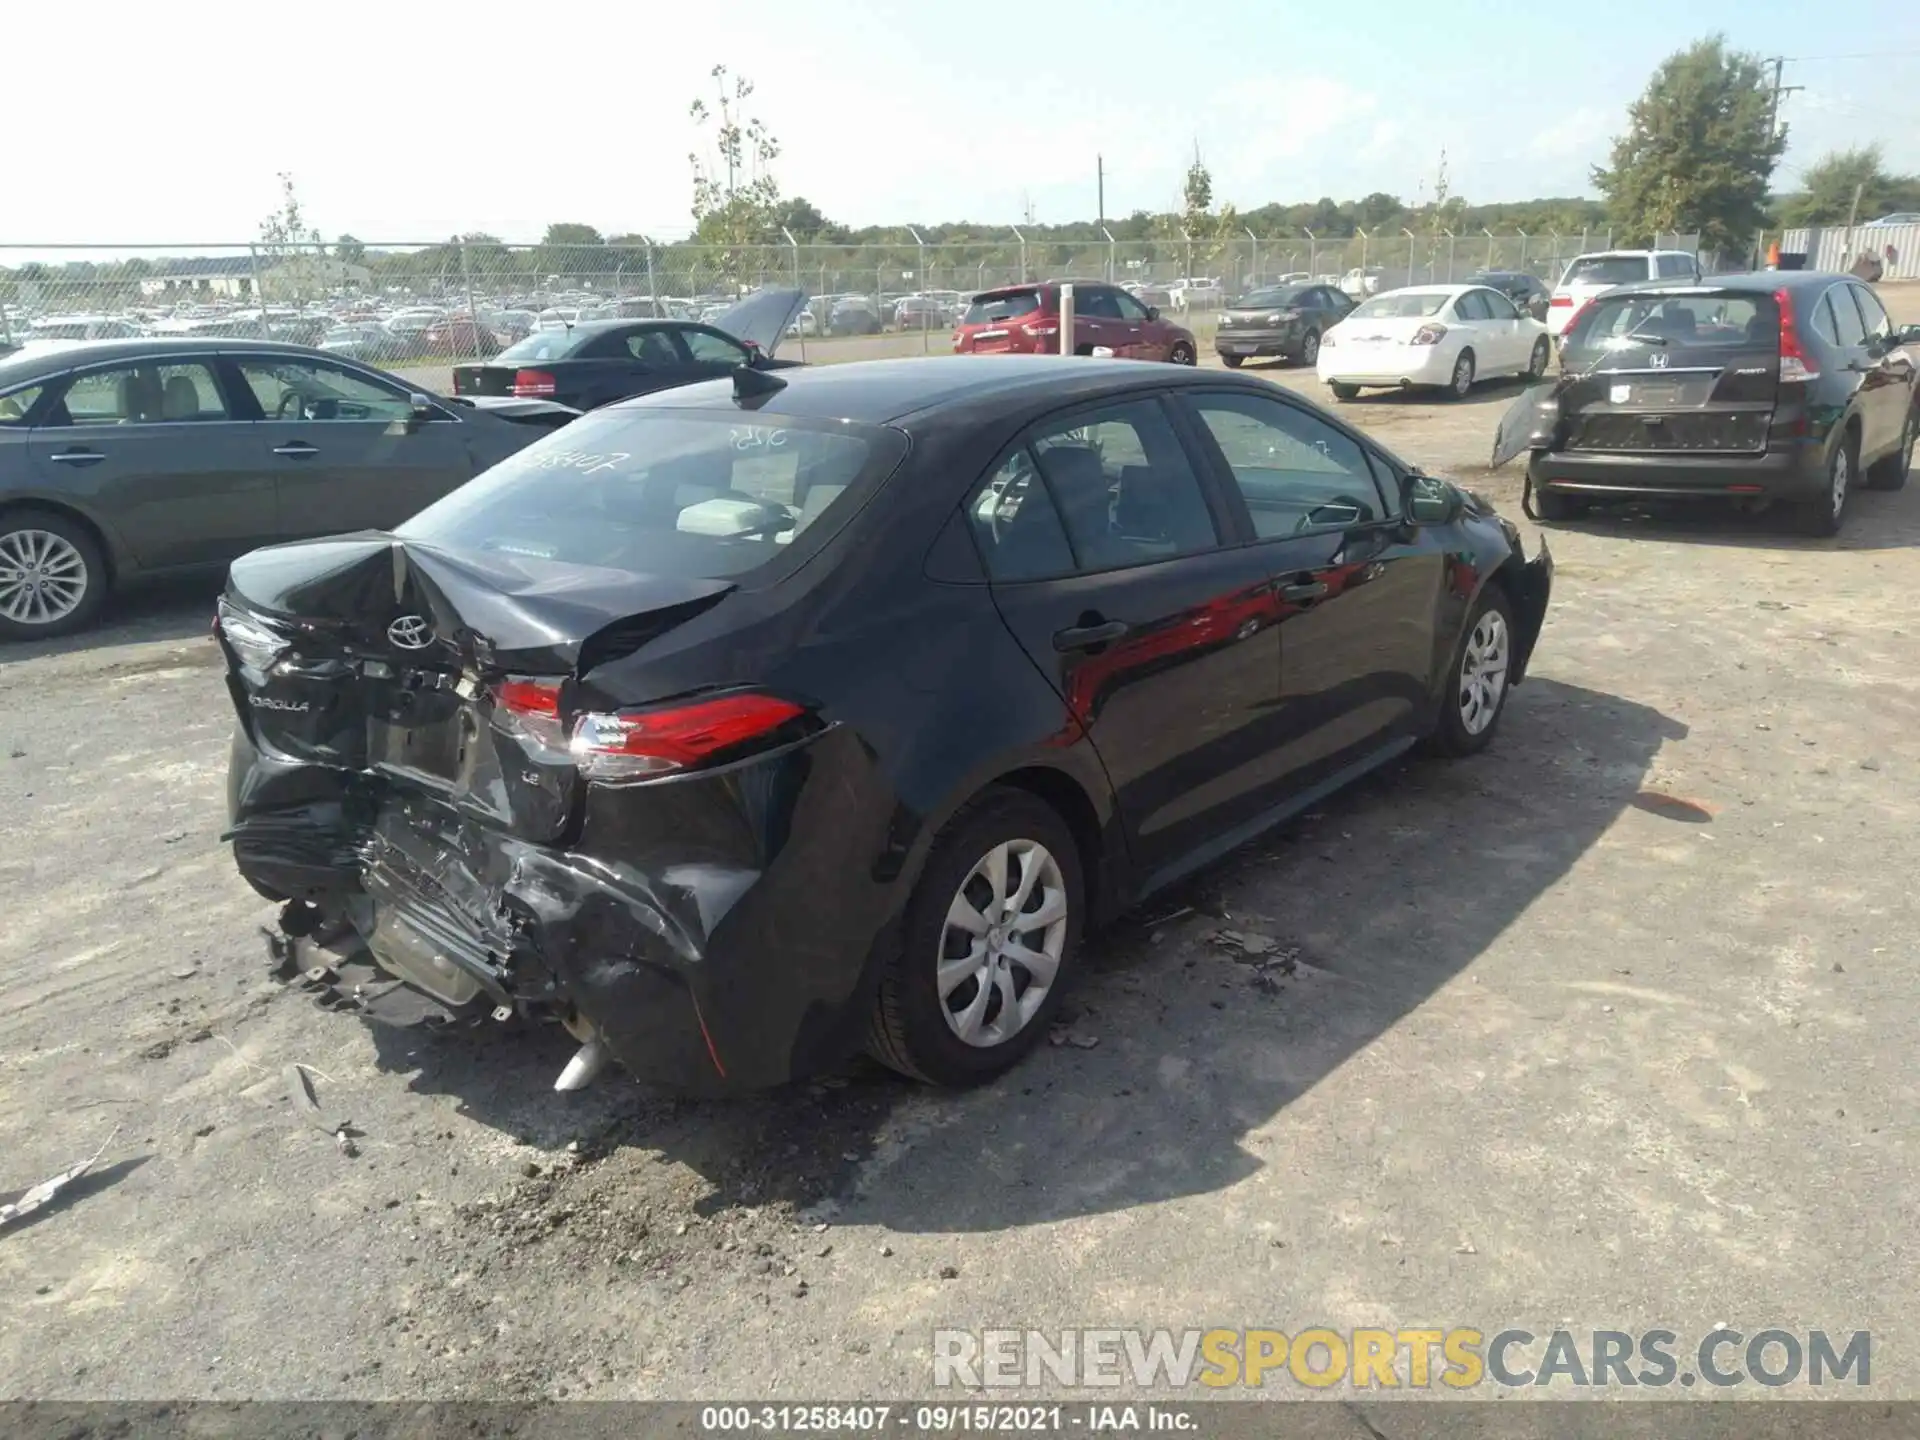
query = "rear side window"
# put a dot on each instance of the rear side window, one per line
(1123, 485)
(1606, 270)
(15, 405)
(664, 492)
(540, 345)
(993, 309)
(1673, 265)
(1014, 522)
(1473, 306)
(142, 394)
(1848, 332)
(1680, 321)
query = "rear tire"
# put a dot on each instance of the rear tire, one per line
(1310, 348)
(1556, 505)
(1823, 517)
(1890, 473)
(53, 576)
(917, 1030)
(1461, 385)
(1233, 362)
(1537, 363)
(1181, 354)
(1343, 392)
(1477, 688)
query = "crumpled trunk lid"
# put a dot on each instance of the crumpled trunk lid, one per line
(413, 666)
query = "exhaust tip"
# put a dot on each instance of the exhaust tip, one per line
(587, 1062)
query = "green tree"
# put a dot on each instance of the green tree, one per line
(736, 199)
(349, 251)
(289, 249)
(1698, 152)
(1830, 182)
(570, 251)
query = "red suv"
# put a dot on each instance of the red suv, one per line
(1025, 320)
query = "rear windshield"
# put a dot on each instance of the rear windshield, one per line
(992, 309)
(1270, 299)
(1607, 270)
(1406, 305)
(1678, 322)
(540, 345)
(662, 492)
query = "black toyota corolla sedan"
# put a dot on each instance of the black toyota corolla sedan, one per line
(744, 725)
(124, 460)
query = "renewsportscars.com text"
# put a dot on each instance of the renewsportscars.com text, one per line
(1320, 1358)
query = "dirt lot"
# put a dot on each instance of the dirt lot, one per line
(1611, 1027)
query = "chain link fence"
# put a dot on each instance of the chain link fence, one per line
(395, 303)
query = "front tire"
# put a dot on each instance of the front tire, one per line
(991, 936)
(53, 576)
(1552, 505)
(1233, 362)
(1343, 392)
(1476, 695)
(1310, 348)
(1537, 362)
(1890, 473)
(1182, 354)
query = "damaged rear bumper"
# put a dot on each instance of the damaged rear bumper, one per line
(730, 947)
(1795, 472)
(1532, 589)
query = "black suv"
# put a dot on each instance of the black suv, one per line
(1774, 386)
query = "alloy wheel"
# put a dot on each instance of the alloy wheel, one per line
(1000, 948)
(1310, 348)
(1842, 477)
(43, 577)
(1483, 672)
(1463, 375)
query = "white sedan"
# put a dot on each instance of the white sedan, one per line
(1442, 336)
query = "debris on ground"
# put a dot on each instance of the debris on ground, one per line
(1067, 1035)
(46, 1190)
(306, 1100)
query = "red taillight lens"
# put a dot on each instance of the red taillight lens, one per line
(1425, 335)
(1793, 359)
(634, 745)
(1573, 321)
(530, 709)
(1560, 302)
(532, 382)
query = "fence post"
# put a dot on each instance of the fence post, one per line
(796, 285)
(1189, 239)
(1253, 263)
(259, 295)
(1313, 266)
(1412, 242)
(1489, 235)
(1066, 318)
(1523, 246)
(1023, 253)
(1451, 238)
(920, 285)
(653, 293)
(473, 308)
(1366, 244)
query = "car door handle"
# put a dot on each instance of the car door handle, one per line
(1085, 637)
(77, 457)
(1304, 591)
(296, 450)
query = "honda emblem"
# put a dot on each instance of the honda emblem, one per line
(1658, 360)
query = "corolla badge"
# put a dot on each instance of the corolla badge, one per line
(410, 632)
(267, 702)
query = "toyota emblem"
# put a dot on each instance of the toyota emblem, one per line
(410, 632)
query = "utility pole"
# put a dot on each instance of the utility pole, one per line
(1779, 63)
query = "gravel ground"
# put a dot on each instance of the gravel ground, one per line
(1611, 1027)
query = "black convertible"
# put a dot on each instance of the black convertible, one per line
(595, 362)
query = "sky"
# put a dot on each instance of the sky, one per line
(403, 124)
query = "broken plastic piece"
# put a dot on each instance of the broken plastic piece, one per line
(588, 1061)
(44, 1192)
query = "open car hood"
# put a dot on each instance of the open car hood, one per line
(762, 318)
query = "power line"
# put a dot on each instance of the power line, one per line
(1856, 55)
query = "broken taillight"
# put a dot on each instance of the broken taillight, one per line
(530, 708)
(533, 382)
(254, 644)
(636, 744)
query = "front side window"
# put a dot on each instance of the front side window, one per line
(1123, 486)
(710, 349)
(1098, 304)
(1130, 308)
(1872, 314)
(304, 391)
(1498, 306)
(653, 349)
(1295, 472)
(1473, 306)
(143, 394)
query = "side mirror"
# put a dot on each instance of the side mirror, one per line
(1427, 501)
(1909, 335)
(754, 357)
(1153, 312)
(420, 409)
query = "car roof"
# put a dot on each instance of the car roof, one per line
(881, 392)
(27, 364)
(1756, 281)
